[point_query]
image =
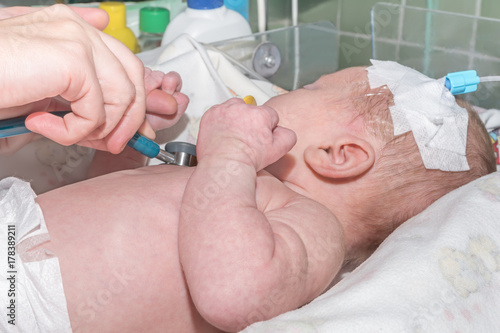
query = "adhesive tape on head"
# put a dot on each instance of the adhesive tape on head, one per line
(425, 107)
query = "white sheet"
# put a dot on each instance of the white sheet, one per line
(438, 272)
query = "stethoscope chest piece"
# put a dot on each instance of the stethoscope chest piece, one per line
(184, 153)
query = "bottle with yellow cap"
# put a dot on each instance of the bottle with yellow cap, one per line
(117, 26)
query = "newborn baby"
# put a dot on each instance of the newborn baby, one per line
(283, 197)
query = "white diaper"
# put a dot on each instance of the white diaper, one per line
(31, 290)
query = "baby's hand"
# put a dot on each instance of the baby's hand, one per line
(165, 104)
(243, 133)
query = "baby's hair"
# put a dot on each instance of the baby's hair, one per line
(402, 184)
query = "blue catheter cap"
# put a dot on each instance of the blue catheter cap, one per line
(462, 82)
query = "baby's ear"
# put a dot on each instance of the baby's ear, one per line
(346, 157)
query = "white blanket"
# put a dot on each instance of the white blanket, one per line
(438, 272)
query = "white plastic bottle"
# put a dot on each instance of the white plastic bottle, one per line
(207, 21)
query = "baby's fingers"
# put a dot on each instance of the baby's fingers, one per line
(171, 82)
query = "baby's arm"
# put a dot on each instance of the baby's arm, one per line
(250, 247)
(165, 104)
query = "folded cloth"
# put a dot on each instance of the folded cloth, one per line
(438, 272)
(32, 296)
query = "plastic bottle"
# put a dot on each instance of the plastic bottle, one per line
(152, 24)
(241, 6)
(207, 21)
(117, 26)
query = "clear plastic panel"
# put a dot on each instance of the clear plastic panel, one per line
(437, 43)
(289, 57)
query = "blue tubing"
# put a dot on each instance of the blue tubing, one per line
(16, 126)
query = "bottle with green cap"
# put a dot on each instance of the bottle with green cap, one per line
(152, 24)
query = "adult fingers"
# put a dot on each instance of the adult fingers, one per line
(134, 115)
(105, 91)
(47, 104)
(95, 16)
(160, 102)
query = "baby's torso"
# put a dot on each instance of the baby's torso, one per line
(116, 240)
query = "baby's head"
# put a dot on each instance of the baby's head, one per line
(402, 185)
(348, 158)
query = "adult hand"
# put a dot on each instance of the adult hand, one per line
(54, 60)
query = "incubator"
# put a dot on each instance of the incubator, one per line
(288, 57)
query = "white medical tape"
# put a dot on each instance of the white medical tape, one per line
(425, 107)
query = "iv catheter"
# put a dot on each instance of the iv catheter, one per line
(466, 81)
(179, 153)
